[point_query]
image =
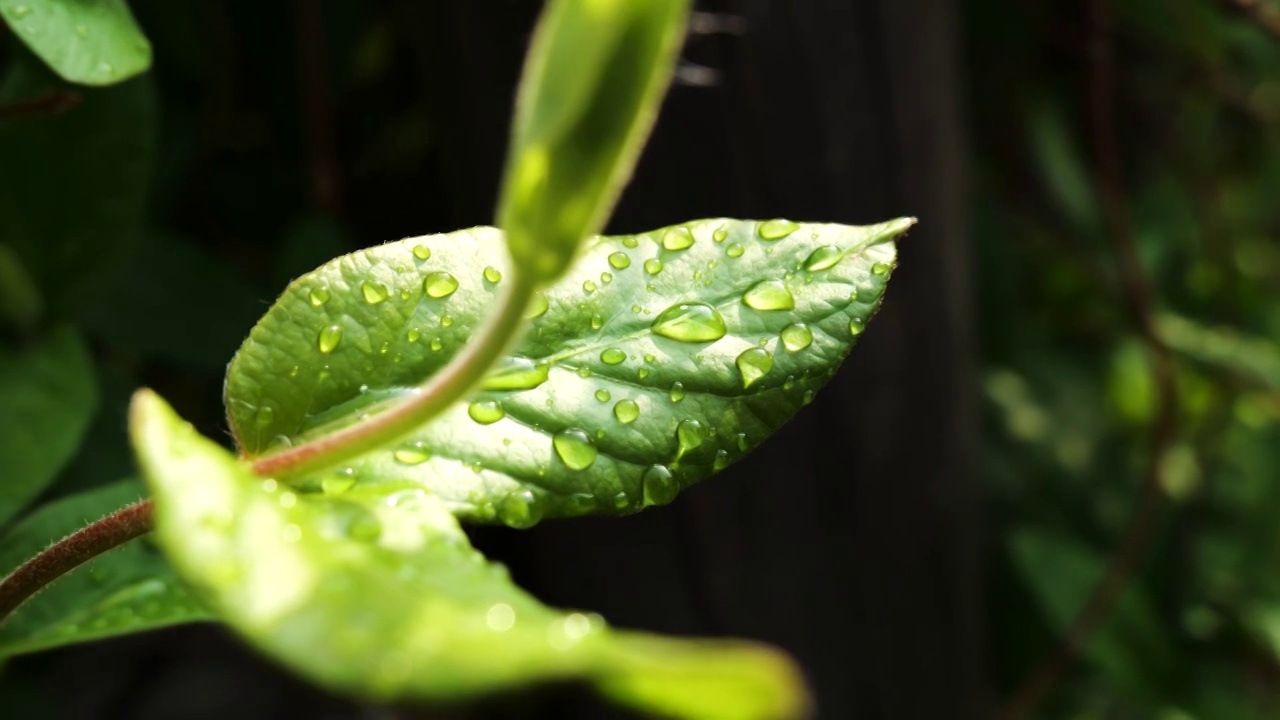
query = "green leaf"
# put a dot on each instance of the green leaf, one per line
(374, 591)
(20, 301)
(73, 186)
(602, 407)
(95, 42)
(591, 88)
(49, 398)
(127, 590)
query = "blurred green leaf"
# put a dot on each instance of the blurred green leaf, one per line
(20, 301)
(90, 42)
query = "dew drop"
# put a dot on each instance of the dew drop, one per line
(603, 395)
(264, 416)
(537, 306)
(769, 295)
(796, 337)
(612, 356)
(721, 461)
(486, 412)
(329, 338)
(677, 391)
(690, 322)
(575, 449)
(743, 444)
(659, 485)
(620, 260)
(808, 397)
(584, 372)
(517, 373)
(293, 371)
(440, 284)
(373, 292)
(412, 454)
(735, 250)
(879, 269)
(437, 344)
(630, 241)
(754, 364)
(626, 411)
(606, 277)
(856, 327)
(446, 321)
(597, 321)
(588, 287)
(422, 252)
(720, 234)
(689, 436)
(492, 275)
(413, 335)
(643, 373)
(677, 238)
(337, 484)
(823, 258)
(776, 229)
(318, 297)
(653, 266)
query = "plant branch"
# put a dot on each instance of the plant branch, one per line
(424, 402)
(49, 103)
(72, 551)
(1139, 295)
(1265, 16)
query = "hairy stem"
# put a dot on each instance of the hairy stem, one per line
(72, 551)
(425, 402)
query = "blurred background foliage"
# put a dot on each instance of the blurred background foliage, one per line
(186, 198)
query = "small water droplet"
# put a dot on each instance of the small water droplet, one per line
(754, 364)
(446, 321)
(735, 250)
(329, 338)
(630, 241)
(517, 373)
(720, 234)
(606, 277)
(856, 326)
(823, 258)
(626, 411)
(584, 372)
(603, 395)
(414, 453)
(808, 397)
(588, 287)
(318, 297)
(491, 274)
(612, 356)
(337, 484)
(597, 321)
(769, 295)
(422, 252)
(264, 416)
(293, 371)
(373, 292)
(439, 284)
(620, 260)
(690, 322)
(677, 391)
(743, 444)
(721, 461)
(486, 412)
(575, 448)
(677, 238)
(653, 266)
(537, 306)
(689, 436)
(437, 344)
(413, 335)
(879, 269)
(520, 510)
(796, 337)
(659, 485)
(776, 229)
(789, 383)
(643, 373)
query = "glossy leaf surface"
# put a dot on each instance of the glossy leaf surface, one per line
(94, 42)
(375, 591)
(656, 361)
(50, 395)
(126, 590)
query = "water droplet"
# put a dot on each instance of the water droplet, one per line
(413, 335)
(492, 275)
(318, 296)
(754, 364)
(588, 287)
(735, 250)
(517, 373)
(643, 373)
(879, 269)
(293, 371)
(659, 485)
(823, 258)
(620, 260)
(808, 397)
(537, 306)
(440, 284)
(721, 461)
(500, 618)
(446, 321)
(520, 510)
(337, 484)
(677, 391)
(414, 453)
(630, 241)
(677, 238)
(612, 356)
(264, 416)
(690, 322)
(597, 321)
(769, 295)
(606, 277)
(329, 338)
(789, 383)
(373, 292)
(626, 411)
(796, 337)
(776, 229)
(486, 412)
(856, 327)
(603, 395)
(575, 448)
(584, 372)
(437, 344)
(720, 234)
(653, 266)
(422, 252)
(689, 436)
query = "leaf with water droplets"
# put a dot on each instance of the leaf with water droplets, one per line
(375, 591)
(90, 43)
(127, 590)
(622, 367)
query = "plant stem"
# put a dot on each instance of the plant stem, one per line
(423, 403)
(72, 551)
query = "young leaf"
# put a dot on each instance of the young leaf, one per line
(656, 361)
(127, 590)
(50, 396)
(592, 83)
(91, 43)
(374, 591)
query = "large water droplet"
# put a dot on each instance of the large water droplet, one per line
(677, 391)
(519, 510)
(440, 284)
(776, 229)
(677, 238)
(422, 252)
(537, 306)
(413, 335)
(754, 364)
(491, 274)
(318, 297)
(620, 260)
(653, 266)
(486, 412)
(630, 241)
(603, 395)
(329, 338)
(720, 234)
(517, 373)
(612, 356)
(437, 344)
(626, 411)
(689, 436)
(373, 292)
(575, 448)
(735, 250)
(769, 295)
(823, 258)
(879, 269)
(597, 321)
(690, 322)
(856, 326)
(414, 453)
(796, 337)
(659, 485)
